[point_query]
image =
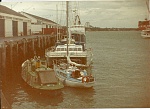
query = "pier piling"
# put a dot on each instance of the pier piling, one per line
(14, 52)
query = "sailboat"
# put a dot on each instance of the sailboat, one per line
(146, 33)
(71, 73)
(76, 46)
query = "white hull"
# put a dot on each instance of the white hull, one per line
(145, 33)
(145, 36)
(70, 83)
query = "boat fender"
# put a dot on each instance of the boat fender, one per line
(85, 79)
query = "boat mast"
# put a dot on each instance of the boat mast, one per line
(57, 23)
(148, 9)
(67, 19)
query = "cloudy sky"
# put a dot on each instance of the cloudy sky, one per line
(101, 13)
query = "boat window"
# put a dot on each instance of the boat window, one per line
(62, 49)
(75, 49)
(70, 49)
(79, 49)
(58, 49)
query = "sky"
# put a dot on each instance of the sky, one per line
(100, 13)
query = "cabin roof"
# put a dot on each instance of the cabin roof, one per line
(47, 76)
(70, 46)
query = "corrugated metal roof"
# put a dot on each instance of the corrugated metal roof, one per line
(6, 10)
(40, 18)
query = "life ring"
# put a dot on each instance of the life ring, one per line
(85, 79)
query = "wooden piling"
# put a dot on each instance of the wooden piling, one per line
(14, 53)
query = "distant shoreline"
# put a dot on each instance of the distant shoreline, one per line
(112, 29)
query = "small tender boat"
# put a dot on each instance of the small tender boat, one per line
(73, 74)
(145, 33)
(37, 75)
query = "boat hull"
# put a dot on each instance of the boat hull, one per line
(46, 93)
(146, 36)
(72, 83)
(41, 79)
(145, 33)
(41, 88)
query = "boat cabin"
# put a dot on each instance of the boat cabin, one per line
(77, 29)
(72, 72)
(71, 47)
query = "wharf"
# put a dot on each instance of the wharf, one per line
(15, 50)
(3, 39)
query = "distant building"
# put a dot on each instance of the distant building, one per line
(38, 23)
(142, 25)
(13, 23)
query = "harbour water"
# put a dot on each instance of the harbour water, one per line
(121, 64)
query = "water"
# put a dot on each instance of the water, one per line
(122, 69)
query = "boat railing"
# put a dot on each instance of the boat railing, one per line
(62, 54)
(85, 53)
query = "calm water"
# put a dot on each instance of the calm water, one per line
(122, 69)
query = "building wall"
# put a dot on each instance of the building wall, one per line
(38, 24)
(8, 19)
(29, 28)
(20, 28)
(8, 28)
(37, 29)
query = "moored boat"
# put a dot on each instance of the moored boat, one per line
(145, 33)
(67, 70)
(76, 40)
(37, 75)
(73, 74)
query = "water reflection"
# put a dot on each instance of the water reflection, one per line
(121, 65)
(78, 97)
(20, 95)
(52, 98)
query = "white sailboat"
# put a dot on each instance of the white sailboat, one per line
(146, 33)
(71, 73)
(73, 76)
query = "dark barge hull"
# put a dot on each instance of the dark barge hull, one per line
(40, 92)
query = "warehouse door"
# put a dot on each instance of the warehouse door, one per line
(2, 28)
(15, 28)
(24, 28)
